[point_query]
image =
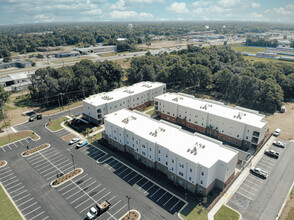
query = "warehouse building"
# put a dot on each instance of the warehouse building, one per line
(99, 49)
(137, 96)
(237, 126)
(193, 161)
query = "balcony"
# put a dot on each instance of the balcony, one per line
(255, 134)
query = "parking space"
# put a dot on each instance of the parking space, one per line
(92, 152)
(26, 203)
(49, 163)
(17, 144)
(62, 133)
(159, 195)
(251, 187)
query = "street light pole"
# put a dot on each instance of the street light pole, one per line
(5, 123)
(128, 205)
(73, 162)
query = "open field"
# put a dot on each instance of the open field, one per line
(253, 50)
(125, 63)
(225, 213)
(161, 44)
(7, 209)
(15, 137)
(284, 121)
(266, 60)
(55, 124)
(288, 211)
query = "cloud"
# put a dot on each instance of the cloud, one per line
(147, 1)
(281, 14)
(119, 5)
(255, 5)
(130, 15)
(229, 3)
(201, 3)
(92, 12)
(178, 8)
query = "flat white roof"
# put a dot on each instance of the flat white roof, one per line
(120, 93)
(237, 113)
(172, 137)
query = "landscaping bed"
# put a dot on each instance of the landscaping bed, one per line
(35, 150)
(3, 163)
(66, 177)
(132, 215)
(55, 125)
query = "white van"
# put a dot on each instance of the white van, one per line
(277, 132)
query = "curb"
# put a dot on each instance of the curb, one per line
(284, 203)
(132, 210)
(15, 206)
(4, 164)
(23, 138)
(35, 151)
(51, 184)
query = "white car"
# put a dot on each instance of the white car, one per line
(277, 132)
(259, 172)
(74, 140)
(92, 213)
(279, 144)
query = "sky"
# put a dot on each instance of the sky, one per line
(43, 11)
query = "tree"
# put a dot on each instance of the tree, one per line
(3, 99)
(6, 59)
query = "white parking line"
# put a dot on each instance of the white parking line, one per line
(77, 191)
(32, 211)
(127, 174)
(116, 203)
(11, 182)
(111, 199)
(168, 200)
(264, 163)
(149, 188)
(25, 202)
(139, 180)
(155, 192)
(71, 183)
(84, 194)
(3, 149)
(133, 177)
(117, 211)
(45, 218)
(104, 196)
(250, 187)
(6, 176)
(5, 168)
(37, 215)
(119, 167)
(17, 189)
(85, 200)
(244, 196)
(9, 147)
(15, 145)
(161, 196)
(40, 160)
(45, 171)
(18, 194)
(8, 180)
(13, 186)
(255, 178)
(252, 183)
(22, 198)
(28, 206)
(111, 167)
(174, 205)
(123, 171)
(246, 191)
(21, 143)
(143, 185)
(5, 172)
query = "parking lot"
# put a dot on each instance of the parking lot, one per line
(49, 163)
(93, 152)
(61, 133)
(17, 144)
(26, 203)
(253, 186)
(157, 194)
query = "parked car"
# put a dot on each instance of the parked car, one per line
(82, 143)
(92, 214)
(259, 172)
(279, 144)
(39, 116)
(272, 153)
(32, 117)
(74, 140)
(277, 132)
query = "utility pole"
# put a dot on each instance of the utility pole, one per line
(73, 162)
(128, 205)
(5, 124)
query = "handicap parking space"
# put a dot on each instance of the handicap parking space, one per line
(17, 144)
(92, 152)
(27, 204)
(49, 162)
(159, 195)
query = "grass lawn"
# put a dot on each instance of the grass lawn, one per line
(94, 138)
(191, 212)
(253, 50)
(16, 136)
(7, 209)
(266, 60)
(225, 213)
(55, 124)
(151, 112)
(149, 108)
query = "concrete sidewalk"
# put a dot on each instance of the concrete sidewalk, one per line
(233, 188)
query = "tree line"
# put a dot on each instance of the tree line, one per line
(261, 42)
(51, 87)
(221, 73)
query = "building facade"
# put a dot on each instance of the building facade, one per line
(240, 127)
(193, 161)
(137, 96)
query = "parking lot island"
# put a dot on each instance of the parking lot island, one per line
(64, 178)
(3, 163)
(132, 214)
(35, 150)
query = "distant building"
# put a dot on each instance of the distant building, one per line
(195, 162)
(17, 81)
(130, 27)
(121, 39)
(18, 64)
(137, 96)
(99, 49)
(266, 54)
(237, 126)
(69, 54)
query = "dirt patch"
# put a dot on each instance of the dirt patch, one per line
(131, 215)
(3, 163)
(284, 121)
(68, 137)
(66, 177)
(36, 149)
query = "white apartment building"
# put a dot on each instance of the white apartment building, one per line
(236, 126)
(196, 162)
(137, 96)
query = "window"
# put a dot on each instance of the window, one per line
(114, 131)
(159, 151)
(173, 161)
(136, 142)
(149, 156)
(143, 145)
(172, 169)
(190, 170)
(143, 153)
(201, 181)
(127, 142)
(137, 149)
(115, 138)
(202, 173)
(149, 149)
(127, 135)
(237, 135)
(132, 138)
(190, 179)
(166, 163)
(166, 155)
(158, 158)
(180, 173)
